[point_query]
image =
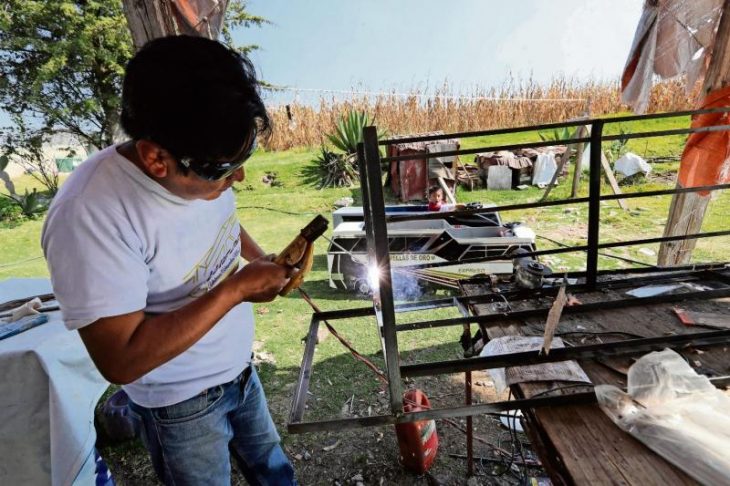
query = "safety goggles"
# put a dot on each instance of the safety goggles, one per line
(215, 170)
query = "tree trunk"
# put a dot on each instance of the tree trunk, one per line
(150, 19)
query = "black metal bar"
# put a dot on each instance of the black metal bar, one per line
(709, 234)
(377, 239)
(594, 204)
(440, 413)
(665, 133)
(345, 313)
(575, 309)
(548, 126)
(469, 426)
(673, 274)
(549, 143)
(573, 249)
(589, 351)
(666, 192)
(478, 150)
(580, 398)
(305, 374)
(641, 270)
(558, 202)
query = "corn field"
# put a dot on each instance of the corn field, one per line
(514, 104)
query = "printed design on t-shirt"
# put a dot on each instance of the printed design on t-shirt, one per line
(219, 261)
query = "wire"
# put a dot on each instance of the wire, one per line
(427, 96)
(278, 210)
(609, 255)
(345, 343)
(4, 265)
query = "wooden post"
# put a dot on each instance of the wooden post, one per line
(687, 211)
(150, 19)
(611, 178)
(577, 169)
(564, 159)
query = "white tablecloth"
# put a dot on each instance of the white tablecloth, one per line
(48, 391)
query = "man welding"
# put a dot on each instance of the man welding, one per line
(143, 246)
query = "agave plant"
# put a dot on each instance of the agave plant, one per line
(348, 132)
(30, 203)
(336, 170)
(557, 134)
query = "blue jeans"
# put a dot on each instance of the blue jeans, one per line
(191, 442)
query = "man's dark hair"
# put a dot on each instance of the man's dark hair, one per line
(193, 96)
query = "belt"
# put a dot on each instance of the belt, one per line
(242, 379)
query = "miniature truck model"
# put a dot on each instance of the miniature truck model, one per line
(458, 239)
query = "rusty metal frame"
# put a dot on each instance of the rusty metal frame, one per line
(384, 309)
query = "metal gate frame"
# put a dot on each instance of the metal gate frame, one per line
(384, 309)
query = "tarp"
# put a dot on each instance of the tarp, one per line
(706, 157)
(48, 393)
(674, 37)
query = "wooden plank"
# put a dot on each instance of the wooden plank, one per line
(447, 192)
(580, 444)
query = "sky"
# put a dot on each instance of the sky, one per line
(400, 45)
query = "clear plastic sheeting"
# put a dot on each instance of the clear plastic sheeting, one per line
(675, 412)
(674, 37)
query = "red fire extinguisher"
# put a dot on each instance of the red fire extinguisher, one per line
(418, 441)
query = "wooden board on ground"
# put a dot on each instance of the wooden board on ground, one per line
(579, 444)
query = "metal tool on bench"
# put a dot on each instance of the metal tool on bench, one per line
(300, 252)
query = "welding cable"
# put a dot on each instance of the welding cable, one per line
(516, 442)
(344, 342)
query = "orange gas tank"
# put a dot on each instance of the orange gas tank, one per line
(418, 441)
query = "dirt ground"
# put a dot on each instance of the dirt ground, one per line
(370, 456)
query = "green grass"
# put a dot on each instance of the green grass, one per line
(274, 215)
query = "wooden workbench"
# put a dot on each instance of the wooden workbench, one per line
(579, 444)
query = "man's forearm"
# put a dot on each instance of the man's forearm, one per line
(155, 339)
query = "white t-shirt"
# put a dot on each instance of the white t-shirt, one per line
(117, 242)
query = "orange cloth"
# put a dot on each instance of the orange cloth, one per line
(706, 157)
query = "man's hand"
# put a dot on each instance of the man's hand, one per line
(261, 280)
